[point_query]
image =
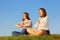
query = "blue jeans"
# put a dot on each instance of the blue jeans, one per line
(15, 33)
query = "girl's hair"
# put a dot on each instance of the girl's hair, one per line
(45, 14)
(27, 16)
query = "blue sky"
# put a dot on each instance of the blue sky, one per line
(11, 13)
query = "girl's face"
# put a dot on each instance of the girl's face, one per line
(41, 13)
(24, 16)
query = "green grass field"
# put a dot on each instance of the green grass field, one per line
(26, 37)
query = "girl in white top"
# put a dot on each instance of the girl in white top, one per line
(41, 25)
(26, 22)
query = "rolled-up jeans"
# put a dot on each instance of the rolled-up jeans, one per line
(24, 31)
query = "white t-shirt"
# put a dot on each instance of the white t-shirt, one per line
(43, 24)
(29, 23)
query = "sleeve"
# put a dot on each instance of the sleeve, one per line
(29, 23)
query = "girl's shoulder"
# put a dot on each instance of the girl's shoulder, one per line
(29, 21)
(46, 17)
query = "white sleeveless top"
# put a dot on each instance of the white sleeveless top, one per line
(43, 24)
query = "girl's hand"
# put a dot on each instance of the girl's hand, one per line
(38, 21)
(22, 24)
(18, 25)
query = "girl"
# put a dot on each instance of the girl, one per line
(26, 23)
(41, 25)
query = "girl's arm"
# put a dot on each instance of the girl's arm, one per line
(37, 23)
(19, 25)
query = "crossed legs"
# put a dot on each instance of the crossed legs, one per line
(35, 32)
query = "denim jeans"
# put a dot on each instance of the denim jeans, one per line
(15, 33)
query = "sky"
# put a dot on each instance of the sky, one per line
(11, 13)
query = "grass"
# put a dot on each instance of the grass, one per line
(26, 37)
